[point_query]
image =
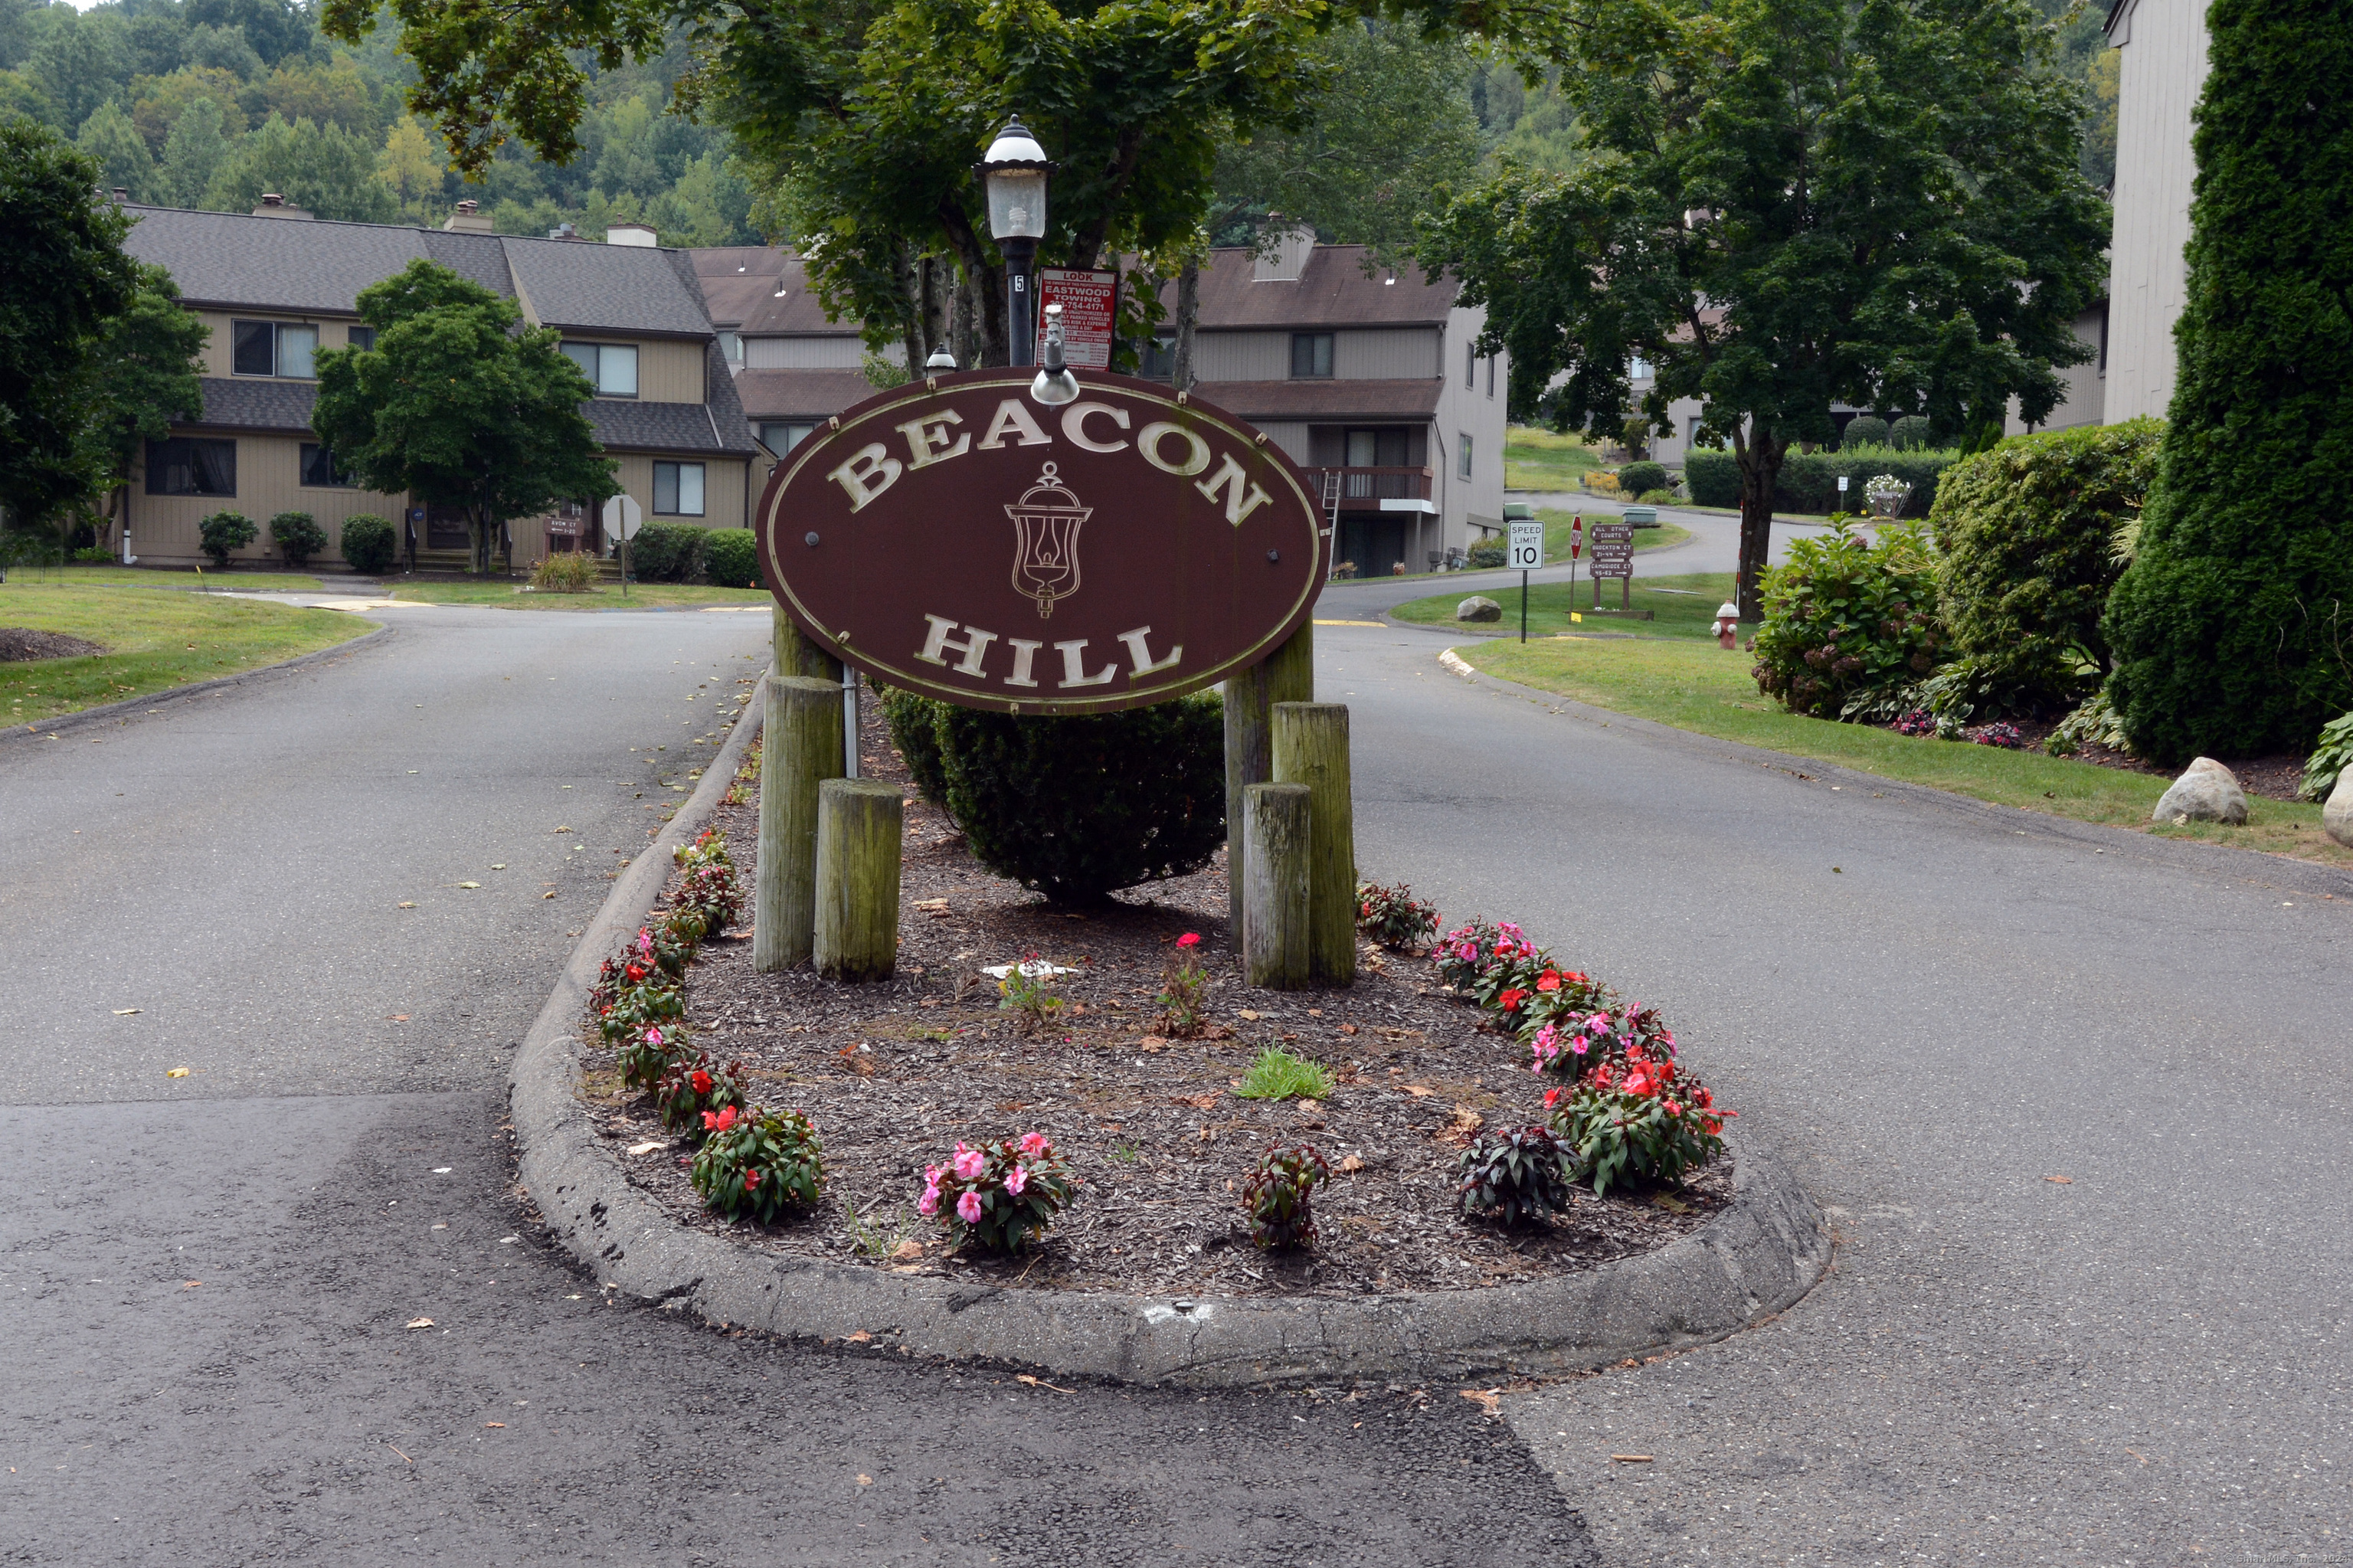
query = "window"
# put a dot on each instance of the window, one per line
(1490, 376)
(678, 490)
(319, 471)
(782, 439)
(1311, 355)
(274, 348)
(611, 367)
(363, 337)
(1378, 448)
(1639, 370)
(1159, 359)
(1471, 363)
(732, 345)
(185, 465)
(1465, 440)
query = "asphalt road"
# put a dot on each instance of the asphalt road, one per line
(288, 1307)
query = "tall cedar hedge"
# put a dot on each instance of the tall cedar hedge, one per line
(2233, 627)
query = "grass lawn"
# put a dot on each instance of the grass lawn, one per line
(1680, 606)
(605, 595)
(184, 577)
(1537, 459)
(154, 641)
(1556, 519)
(1697, 686)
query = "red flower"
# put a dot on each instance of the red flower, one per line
(1189, 939)
(1673, 1109)
(1702, 1097)
(1550, 980)
(1576, 976)
(1511, 999)
(1551, 1099)
(751, 1181)
(636, 973)
(701, 1080)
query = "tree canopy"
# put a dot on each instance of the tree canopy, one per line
(146, 362)
(1784, 204)
(458, 405)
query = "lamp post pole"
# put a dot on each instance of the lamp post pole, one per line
(1013, 172)
(1020, 300)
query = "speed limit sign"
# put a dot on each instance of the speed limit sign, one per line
(1527, 545)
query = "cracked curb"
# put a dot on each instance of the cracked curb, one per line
(1757, 1257)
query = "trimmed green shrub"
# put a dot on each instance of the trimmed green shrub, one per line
(2233, 627)
(731, 558)
(911, 719)
(223, 533)
(368, 544)
(1079, 808)
(1488, 553)
(1809, 481)
(2027, 536)
(1911, 433)
(298, 536)
(667, 552)
(1843, 620)
(1637, 477)
(1863, 430)
(1658, 498)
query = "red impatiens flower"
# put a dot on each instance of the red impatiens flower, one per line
(1548, 980)
(719, 1123)
(751, 1181)
(701, 1080)
(1510, 1000)
(1189, 939)
(1551, 1099)
(636, 973)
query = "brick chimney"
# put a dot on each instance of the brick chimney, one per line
(469, 219)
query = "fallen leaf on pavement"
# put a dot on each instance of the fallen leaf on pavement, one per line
(469, 885)
(646, 1148)
(502, 866)
(547, 895)
(419, 1323)
(190, 1284)
(177, 1073)
(1351, 1165)
(395, 1018)
(865, 1480)
(2062, 1180)
(407, 906)
(563, 829)
(1487, 1399)
(499, 1424)
(1632, 1458)
(125, 1012)
(859, 1338)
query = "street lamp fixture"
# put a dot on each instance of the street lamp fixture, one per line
(1014, 172)
(1054, 383)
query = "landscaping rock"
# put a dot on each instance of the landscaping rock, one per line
(2337, 815)
(1478, 607)
(2206, 793)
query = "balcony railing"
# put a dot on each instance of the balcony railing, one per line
(1363, 489)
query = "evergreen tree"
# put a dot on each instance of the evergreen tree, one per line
(122, 153)
(323, 168)
(2233, 627)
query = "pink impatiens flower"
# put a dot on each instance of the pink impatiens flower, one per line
(1189, 939)
(1015, 1179)
(929, 1205)
(969, 1163)
(968, 1208)
(1035, 1143)
(645, 940)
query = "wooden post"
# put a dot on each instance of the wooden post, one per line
(796, 655)
(800, 746)
(1311, 748)
(1287, 676)
(859, 822)
(1276, 824)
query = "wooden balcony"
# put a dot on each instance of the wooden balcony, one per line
(1375, 489)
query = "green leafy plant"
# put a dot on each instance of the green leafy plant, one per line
(2330, 757)
(1842, 618)
(564, 571)
(1863, 430)
(667, 552)
(369, 544)
(1637, 1116)
(914, 733)
(1278, 1075)
(647, 1055)
(298, 536)
(1184, 987)
(1638, 477)
(690, 1085)
(1517, 1178)
(1657, 497)
(1279, 1194)
(1001, 1196)
(1808, 481)
(758, 1165)
(1911, 433)
(731, 558)
(1486, 554)
(1028, 993)
(1394, 917)
(707, 883)
(223, 533)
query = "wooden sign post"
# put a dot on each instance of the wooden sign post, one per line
(1613, 556)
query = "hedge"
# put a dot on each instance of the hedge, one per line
(732, 559)
(1809, 481)
(368, 544)
(667, 552)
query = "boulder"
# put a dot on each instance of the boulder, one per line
(2337, 815)
(2206, 793)
(1478, 607)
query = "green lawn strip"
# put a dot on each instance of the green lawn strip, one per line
(1697, 686)
(1556, 519)
(182, 577)
(1541, 459)
(1680, 606)
(605, 595)
(148, 638)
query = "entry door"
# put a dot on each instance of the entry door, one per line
(445, 529)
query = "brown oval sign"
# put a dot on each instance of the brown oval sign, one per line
(956, 537)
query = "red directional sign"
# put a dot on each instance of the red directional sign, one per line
(956, 537)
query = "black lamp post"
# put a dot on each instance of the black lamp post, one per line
(1014, 171)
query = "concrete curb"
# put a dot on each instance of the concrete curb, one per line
(126, 708)
(1758, 1257)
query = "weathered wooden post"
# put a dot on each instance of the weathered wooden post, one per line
(1277, 825)
(1311, 748)
(859, 822)
(800, 747)
(1286, 675)
(795, 655)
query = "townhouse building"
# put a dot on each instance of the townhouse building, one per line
(279, 286)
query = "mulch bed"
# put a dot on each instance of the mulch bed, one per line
(2273, 777)
(893, 1074)
(17, 642)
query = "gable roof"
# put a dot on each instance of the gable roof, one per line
(764, 291)
(1332, 291)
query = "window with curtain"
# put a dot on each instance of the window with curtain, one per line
(319, 471)
(781, 438)
(189, 465)
(1311, 355)
(611, 367)
(678, 490)
(274, 348)
(363, 337)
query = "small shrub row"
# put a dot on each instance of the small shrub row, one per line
(1809, 481)
(1844, 620)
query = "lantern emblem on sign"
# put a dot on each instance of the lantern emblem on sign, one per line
(1045, 552)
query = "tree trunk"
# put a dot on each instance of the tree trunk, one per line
(1188, 312)
(1760, 470)
(964, 337)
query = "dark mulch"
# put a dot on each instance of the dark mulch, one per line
(2273, 777)
(20, 642)
(894, 1074)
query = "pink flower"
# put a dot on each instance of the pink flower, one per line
(1189, 939)
(968, 1208)
(969, 1163)
(929, 1202)
(645, 940)
(932, 1175)
(653, 1037)
(1015, 1179)
(1035, 1143)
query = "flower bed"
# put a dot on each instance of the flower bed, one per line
(1104, 1095)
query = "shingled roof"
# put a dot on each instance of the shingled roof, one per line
(1333, 290)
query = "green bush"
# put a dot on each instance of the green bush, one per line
(2330, 757)
(1843, 620)
(731, 558)
(1911, 433)
(2233, 629)
(1657, 498)
(2027, 536)
(1637, 477)
(1488, 553)
(1079, 808)
(224, 533)
(369, 544)
(298, 536)
(912, 721)
(667, 552)
(1863, 430)
(1809, 481)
